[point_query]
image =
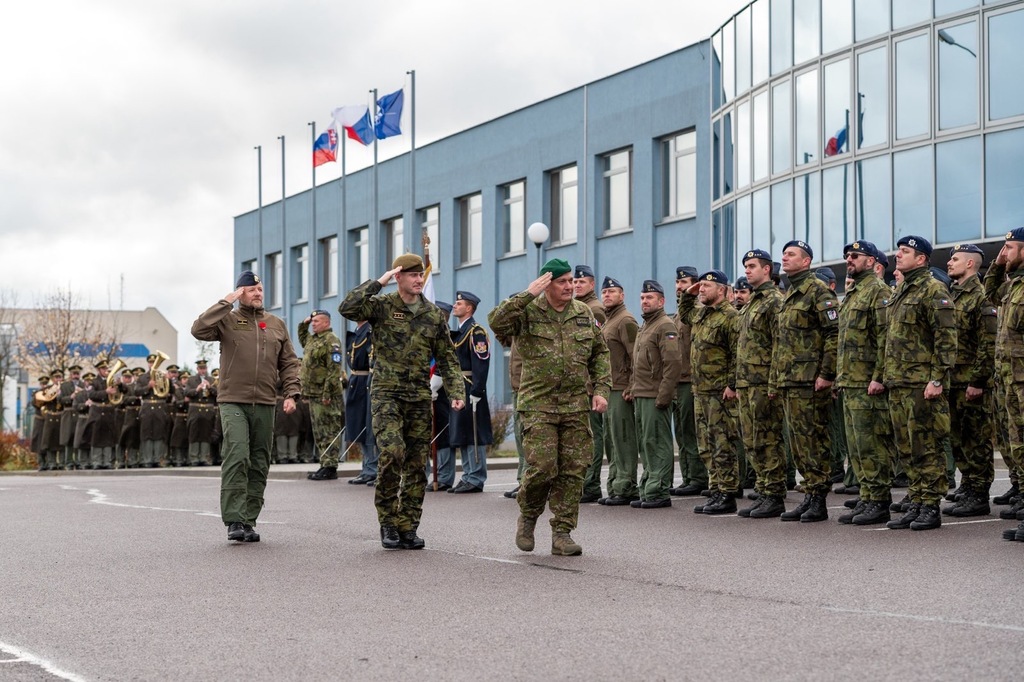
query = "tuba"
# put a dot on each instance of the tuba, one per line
(161, 384)
(46, 395)
(113, 378)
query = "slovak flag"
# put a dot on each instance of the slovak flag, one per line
(325, 149)
(356, 122)
(836, 143)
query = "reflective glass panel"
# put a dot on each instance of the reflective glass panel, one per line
(807, 148)
(716, 159)
(782, 215)
(873, 97)
(759, 45)
(874, 201)
(782, 35)
(836, 25)
(958, 75)
(717, 99)
(743, 220)
(909, 12)
(782, 122)
(870, 18)
(912, 190)
(743, 144)
(728, 155)
(947, 6)
(837, 108)
(743, 52)
(806, 209)
(958, 190)
(762, 217)
(1004, 182)
(913, 93)
(761, 136)
(729, 61)
(1005, 65)
(837, 212)
(806, 30)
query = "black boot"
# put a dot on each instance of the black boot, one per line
(970, 504)
(901, 506)
(847, 518)
(1011, 513)
(725, 504)
(1008, 495)
(236, 532)
(795, 513)
(908, 517)
(389, 537)
(928, 518)
(873, 512)
(250, 534)
(771, 506)
(956, 495)
(699, 509)
(816, 511)
(408, 539)
(324, 474)
(745, 512)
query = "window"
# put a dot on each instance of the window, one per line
(1004, 181)
(837, 212)
(782, 123)
(273, 290)
(871, 18)
(872, 98)
(947, 6)
(250, 265)
(782, 215)
(729, 61)
(513, 227)
(679, 175)
(782, 35)
(300, 273)
(759, 42)
(744, 222)
(743, 51)
(807, 27)
(743, 144)
(958, 190)
(913, 192)
(471, 213)
(1005, 64)
(617, 190)
(836, 25)
(761, 137)
(329, 266)
(909, 12)
(958, 75)
(564, 205)
(913, 91)
(394, 240)
(807, 208)
(429, 223)
(874, 201)
(728, 154)
(716, 162)
(836, 138)
(360, 254)
(807, 148)
(762, 219)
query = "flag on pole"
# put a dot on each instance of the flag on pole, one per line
(836, 143)
(355, 121)
(428, 284)
(325, 149)
(387, 123)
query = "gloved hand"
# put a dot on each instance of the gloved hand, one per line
(473, 400)
(435, 386)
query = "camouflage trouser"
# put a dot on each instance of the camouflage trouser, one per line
(592, 480)
(918, 427)
(869, 437)
(1013, 455)
(248, 431)
(401, 429)
(558, 449)
(1002, 421)
(971, 427)
(517, 429)
(761, 421)
(620, 428)
(807, 415)
(654, 443)
(691, 466)
(837, 432)
(328, 421)
(718, 436)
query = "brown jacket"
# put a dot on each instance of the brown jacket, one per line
(256, 353)
(686, 374)
(656, 359)
(620, 334)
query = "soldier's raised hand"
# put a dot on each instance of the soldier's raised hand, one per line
(538, 285)
(386, 277)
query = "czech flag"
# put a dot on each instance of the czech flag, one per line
(356, 122)
(836, 143)
(325, 149)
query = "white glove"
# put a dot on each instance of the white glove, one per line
(435, 386)
(473, 400)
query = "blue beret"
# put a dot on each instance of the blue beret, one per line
(247, 279)
(757, 253)
(967, 248)
(861, 246)
(583, 271)
(1015, 235)
(320, 312)
(447, 307)
(776, 268)
(942, 276)
(684, 271)
(652, 287)
(800, 244)
(742, 282)
(825, 275)
(881, 257)
(919, 244)
(716, 276)
(467, 296)
(611, 283)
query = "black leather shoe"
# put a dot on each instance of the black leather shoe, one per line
(324, 474)
(1005, 498)
(636, 504)
(441, 487)
(817, 510)
(617, 501)
(795, 513)
(771, 506)
(250, 534)
(928, 518)
(511, 494)
(847, 518)
(407, 539)
(754, 496)
(955, 495)
(236, 531)
(725, 504)
(901, 506)
(850, 504)
(874, 512)
(686, 490)
(699, 509)
(745, 512)
(389, 537)
(656, 504)
(464, 487)
(908, 517)
(1011, 513)
(970, 504)
(590, 497)
(360, 480)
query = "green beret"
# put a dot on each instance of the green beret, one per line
(557, 267)
(409, 262)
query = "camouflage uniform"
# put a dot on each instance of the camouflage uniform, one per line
(972, 424)
(713, 357)
(920, 347)
(322, 385)
(761, 417)
(1009, 356)
(562, 352)
(861, 358)
(620, 333)
(691, 466)
(592, 480)
(404, 341)
(806, 350)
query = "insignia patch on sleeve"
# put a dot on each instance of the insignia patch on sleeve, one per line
(397, 316)
(832, 314)
(584, 322)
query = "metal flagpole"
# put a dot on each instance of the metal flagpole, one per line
(374, 228)
(284, 238)
(311, 262)
(259, 199)
(412, 158)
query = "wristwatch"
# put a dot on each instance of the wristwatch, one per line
(936, 383)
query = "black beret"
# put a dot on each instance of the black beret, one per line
(742, 283)
(757, 253)
(942, 276)
(800, 244)
(247, 279)
(320, 312)
(651, 286)
(611, 283)
(583, 271)
(825, 275)
(684, 271)
(467, 296)
(919, 244)
(1015, 235)
(716, 276)
(881, 257)
(447, 307)
(967, 248)
(862, 246)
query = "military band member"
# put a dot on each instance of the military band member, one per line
(691, 466)
(36, 437)
(359, 353)
(82, 439)
(202, 409)
(154, 415)
(177, 439)
(68, 417)
(471, 428)
(101, 418)
(584, 284)
(323, 388)
(128, 413)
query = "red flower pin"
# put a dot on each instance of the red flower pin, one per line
(263, 325)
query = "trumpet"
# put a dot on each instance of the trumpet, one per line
(161, 384)
(113, 378)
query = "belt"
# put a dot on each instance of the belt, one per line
(359, 373)
(152, 401)
(467, 373)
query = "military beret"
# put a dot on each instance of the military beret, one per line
(757, 253)
(684, 271)
(967, 248)
(611, 283)
(919, 244)
(100, 364)
(557, 267)
(716, 276)
(881, 257)
(942, 276)
(173, 368)
(742, 283)
(89, 376)
(447, 307)
(825, 275)
(584, 271)
(201, 363)
(800, 244)
(247, 279)
(651, 286)
(862, 246)
(75, 368)
(409, 262)
(1015, 235)
(318, 311)
(467, 296)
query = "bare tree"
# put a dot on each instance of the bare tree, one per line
(8, 346)
(206, 350)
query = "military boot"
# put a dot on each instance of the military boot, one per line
(1008, 495)
(250, 534)
(725, 504)
(236, 532)
(955, 495)
(908, 517)
(1019, 535)
(563, 545)
(1014, 533)
(324, 474)
(817, 510)
(847, 518)
(524, 533)
(873, 512)
(971, 504)
(699, 509)
(771, 506)
(745, 512)
(928, 518)
(1011, 513)
(901, 506)
(795, 513)
(389, 537)
(407, 539)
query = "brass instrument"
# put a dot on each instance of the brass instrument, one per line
(161, 384)
(46, 395)
(113, 378)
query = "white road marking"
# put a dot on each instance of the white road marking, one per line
(926, 619)
(22, 656)
(99, 497)
(947, 523)
(477, 556)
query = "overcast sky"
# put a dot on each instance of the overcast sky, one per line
(127, 129)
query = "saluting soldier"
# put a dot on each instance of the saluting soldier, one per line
(715, 326)
(803, 370)
(322, 386)
(920, 352)
(691, 466)
(471, 429)
(202, 408)
(359, 353)
(584, 284)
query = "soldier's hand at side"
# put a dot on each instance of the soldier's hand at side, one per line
(627, 396)
(876, 388)
(458, 404)
(386, 277)
(289, 405)
(538, 285)
(974, 393)
(598, 404)
(728, 394)
(931, 391)
(822, 384)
